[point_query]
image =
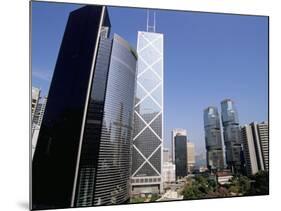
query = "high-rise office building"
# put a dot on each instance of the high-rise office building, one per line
(169, 172)
(166, 155)
(190, 150)
(35, 95)
(176, 132)
(148, 117)
(255, 147)
(39, 112)
(37, 120)
(83, 152)
(180, 156)
(231, 133)
(263, 135)
(213, 140)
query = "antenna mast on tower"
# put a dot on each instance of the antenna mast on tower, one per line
(150, 28)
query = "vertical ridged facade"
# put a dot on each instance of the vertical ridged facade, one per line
(255, 147)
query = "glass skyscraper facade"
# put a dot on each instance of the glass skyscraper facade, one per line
(104, 169)
(213, 139)
(175, 132)
(232, 136)
(181, 156)
(148, 115)
(83, 152)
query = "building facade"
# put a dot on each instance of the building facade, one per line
(169, 172)
(263, 134)
(180, 156)
(213, 139)
(190, 150)
(37, 120)
(166, 155)
(88, 118)
(148, 116)
(175, 132)
(255, 147)
(35, 96)
(231, 133)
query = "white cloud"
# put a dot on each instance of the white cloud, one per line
(42, 75)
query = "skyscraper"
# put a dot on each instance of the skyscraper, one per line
(213, 139)
(166, 155)
(231, 132)
(83, 153)
(169, 172)
(148, 116)
(175, 132)
(263, 135)
(190, 150)
(255, 147)
(180, 156)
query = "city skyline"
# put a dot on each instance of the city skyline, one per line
(246, 38)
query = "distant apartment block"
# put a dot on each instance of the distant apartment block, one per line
(190, 150)
(255, 144)
(34, 100)
(169, 171)
(37, 120)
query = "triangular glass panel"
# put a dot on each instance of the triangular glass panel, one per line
(137, 160)
(148, 80)
(156, 125)
(148, 109)
(146, 170)
(155, 160)
(147, 142)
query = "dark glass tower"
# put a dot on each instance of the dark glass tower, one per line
(104, 165)
(180, 156)
(213, 139)
(83, 151)
(232, 139)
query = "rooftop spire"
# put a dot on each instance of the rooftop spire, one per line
(150, 28)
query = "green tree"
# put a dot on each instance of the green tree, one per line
(260, 184)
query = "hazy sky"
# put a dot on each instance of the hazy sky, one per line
(207, 58)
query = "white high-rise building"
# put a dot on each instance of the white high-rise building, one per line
(148, 115)
(35, 98)
(255, 147)
(176, 132)
(249, 150)
(166, 155)
(37, 120)
(169, 172)
(190, 147)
